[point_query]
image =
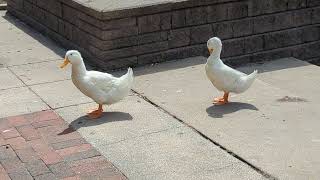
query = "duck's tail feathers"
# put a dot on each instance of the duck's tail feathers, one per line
(127, 79)
(253, 75)
(130, 71)
(130, 74)
(246, 81)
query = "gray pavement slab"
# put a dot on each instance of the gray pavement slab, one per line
(31, 53)
(17, 101)
(8, 79)
(298, 77)
(127, 119)
(176, 154)
(60, 94)
(4, 18)
(146, 143)
(19, 44)
(10, 33)
(280, 137)
(42, 72)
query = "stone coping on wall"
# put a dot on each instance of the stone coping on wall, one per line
(113, 9)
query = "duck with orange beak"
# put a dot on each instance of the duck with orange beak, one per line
(103, 88)
(223, 77)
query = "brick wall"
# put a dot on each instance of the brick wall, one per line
(251, 30)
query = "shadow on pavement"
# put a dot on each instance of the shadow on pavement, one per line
(42, 39)
(219, 111)
(269, 66)
(169, 65)
(107, 117)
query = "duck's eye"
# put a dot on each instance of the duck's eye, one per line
(71, 54)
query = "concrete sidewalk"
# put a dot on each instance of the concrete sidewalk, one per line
(273, 126)
(167, 128)
(144, 141)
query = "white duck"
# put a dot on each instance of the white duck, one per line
(103, 88)
(223, 77)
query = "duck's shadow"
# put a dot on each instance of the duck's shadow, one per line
(85, 121)
(218, 111)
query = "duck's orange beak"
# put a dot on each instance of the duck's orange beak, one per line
(65, 63)
(211, 50)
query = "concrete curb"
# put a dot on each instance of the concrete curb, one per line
(3, 6)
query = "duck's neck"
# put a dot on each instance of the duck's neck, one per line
(79, 69)
(214, 58)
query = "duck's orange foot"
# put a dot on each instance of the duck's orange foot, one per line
(95, 114)
(217, 99)
(220, 101)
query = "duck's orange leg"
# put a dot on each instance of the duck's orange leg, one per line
(222, 100)
(96, 113)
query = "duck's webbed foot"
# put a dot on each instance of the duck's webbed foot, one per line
(95, 114)
(222, 100)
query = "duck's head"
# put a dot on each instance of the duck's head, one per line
(73, 57)
(214, 45)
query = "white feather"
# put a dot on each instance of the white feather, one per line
(223, 77)
(103, 88)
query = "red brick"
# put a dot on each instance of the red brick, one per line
(53, 134)
(20, 176)
(6, 152)
(60, 138)
(67, 130)
(94, 166)
(17, 121)
(42, 116)
(3, 174)
(61, 170)
(38, 158)
(82, 155)
(54, 122)
(40, 146)
(28, 132)
(2, 141)
(51, 158)
(75, 149)
(4, 124)
(47, 132)
(37, 168)
(10, 133)
(27, 155)
(13, 166)
(49, 176)
(17, 143)
(2, 170)
(69, 143)
(87, 161)
(72, 178)
(103, 174)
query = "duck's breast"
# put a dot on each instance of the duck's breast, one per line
(215, 76)
(87, 88)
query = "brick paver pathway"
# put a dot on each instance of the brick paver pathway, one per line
(42, 146)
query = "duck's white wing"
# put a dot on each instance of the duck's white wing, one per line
(224, 77)
(233, 72)
(228, 75)
(102, 81)
(239, 81)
